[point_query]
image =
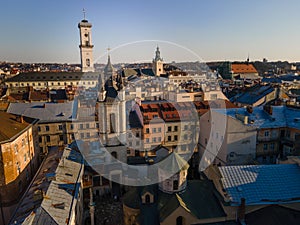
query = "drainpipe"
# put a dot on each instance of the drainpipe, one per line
(92, 207)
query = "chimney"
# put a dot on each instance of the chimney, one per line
(249, 109)
(20, 119)
(268, 109)
(241, 211)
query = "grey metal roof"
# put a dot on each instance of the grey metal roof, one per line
(262, 184)
(62, 194)
(282, 116)
(53, 76)
(45, 112)
(252, 96)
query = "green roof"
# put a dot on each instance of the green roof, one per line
(173, 163)
(132, 198)
(199, 199)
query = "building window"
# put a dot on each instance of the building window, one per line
(147, 199)
(114, 154)
(169, 138)
(87, 126)
(267, 133)
(81, 126)
(265, 146)
(153, 130)
(272, 146)
(88, 135)
(112, 118)
(185, 137)
(154, 139)
(179, 220)
(159, 129)
(48, 138)
(138, 143)
(137, 134)
(175, 138)
(147, 130)
(60, 127)
(16, 149)
(88, 63)
(175, 185)
(159, 139)
(72, 126)
(72, 136)
(47, 128)
(82, 135)
(169, 129)
(147, 140)
(61, 137)
(176, 128)
(186, 127)
(18, 167)
(39, 128)
(288, 133)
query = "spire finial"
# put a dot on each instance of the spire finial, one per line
(84, 12)
(108, 51)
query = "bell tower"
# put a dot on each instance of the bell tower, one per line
(86, 46)
(158, 64)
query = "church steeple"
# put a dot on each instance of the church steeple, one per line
(108, 73)
(158, 65)
(157, 55)
(86, 46)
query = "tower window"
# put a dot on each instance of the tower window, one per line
(179, 220)
(175, 185)
(147, 198)
(88, 62)
(112, 118)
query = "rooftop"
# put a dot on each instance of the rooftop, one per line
(61, 194)
(11, 125)
(243, 68)
(253, 95)
(262, 184)
(282, 116)
(53, 76)
(46, 112)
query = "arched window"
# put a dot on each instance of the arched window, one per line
(112, 124)
(88, 62)
(147, 198)
(179, 220)
(175, 185)
(114, 154)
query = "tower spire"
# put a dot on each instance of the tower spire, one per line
(84, 12)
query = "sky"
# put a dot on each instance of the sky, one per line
(189, 30)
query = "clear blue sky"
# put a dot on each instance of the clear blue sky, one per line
(46, 31)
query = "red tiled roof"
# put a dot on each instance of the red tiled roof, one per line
(243, 68)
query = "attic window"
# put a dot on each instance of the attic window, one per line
(61, 114)
(59, 205)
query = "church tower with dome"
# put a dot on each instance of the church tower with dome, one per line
(111, 107)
